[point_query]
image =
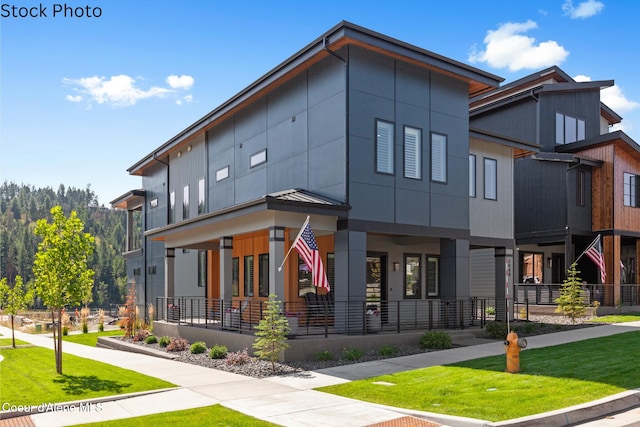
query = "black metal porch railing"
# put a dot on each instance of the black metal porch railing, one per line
(546, 294)
(327, 317)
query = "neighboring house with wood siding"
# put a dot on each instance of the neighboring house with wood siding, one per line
(582, 183)
(367, 135)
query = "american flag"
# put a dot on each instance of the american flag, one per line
(306, 246)
(594, 252)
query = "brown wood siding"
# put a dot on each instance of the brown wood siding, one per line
(250, 244)
(627, 218)
(325, 246)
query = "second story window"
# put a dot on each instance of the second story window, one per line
(201, 196)
(438, 157)
(412, 153)
(569, 129)
(490, 179)
(384, 147)
(580, 188)
(185, 202)
(631, 193)
(472, 175)
(172, 207)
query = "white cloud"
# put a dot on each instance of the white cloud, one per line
(506, 47)
(180, 82)
(122, 90)
(584, 10)
(612, 97)
(185, 99)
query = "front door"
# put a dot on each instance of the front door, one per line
(376, 292)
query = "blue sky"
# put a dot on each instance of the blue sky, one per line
(84, 98)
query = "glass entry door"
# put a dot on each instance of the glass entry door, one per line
(376, 292)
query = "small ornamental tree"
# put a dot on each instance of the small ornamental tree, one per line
(570, 301)
(272, 333)
(62, 277)
(14, 299)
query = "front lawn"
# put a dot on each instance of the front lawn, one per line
(9, 342)
(29, 378)
(551, 378)
(91, 339)
(215, 415)
(617, 318)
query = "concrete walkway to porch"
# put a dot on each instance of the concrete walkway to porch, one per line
(291, 400)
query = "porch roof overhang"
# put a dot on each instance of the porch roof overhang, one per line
(129, 200)
(520, 147)
(283, 208)
(569, 158)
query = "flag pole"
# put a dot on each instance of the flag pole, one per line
(588, 247)
(304, 225)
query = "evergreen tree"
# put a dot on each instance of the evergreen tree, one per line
(272, 333)
(571, 301)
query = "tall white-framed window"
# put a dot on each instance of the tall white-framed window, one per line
(490, 179)
(438, 157)
(384, 147)
(185, 202)
(172, 207)
(201, 196)
(412, 153)
(472, 175)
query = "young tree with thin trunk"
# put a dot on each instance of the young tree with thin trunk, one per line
(271, 335)
(571, 301)
(62, 277)
(14, 299)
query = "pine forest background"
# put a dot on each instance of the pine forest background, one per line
(22, 205)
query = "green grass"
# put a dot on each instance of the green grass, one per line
(29, 377)
(618, 318)
(551, 378)
(215, 415)
(9, 342)
(91, 339)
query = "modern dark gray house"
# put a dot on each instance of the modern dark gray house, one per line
(367, 135)
(582, 182)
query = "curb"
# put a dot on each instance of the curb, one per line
(117, 344)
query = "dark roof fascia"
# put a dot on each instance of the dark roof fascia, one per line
(503, 140)
(126, 197)
(575, 86)
(526, 81)
(340, 31)
(268, 202)
(606, 138)
(611, 116)
(504, 102)
(567, 158)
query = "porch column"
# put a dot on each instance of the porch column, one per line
(504, 281)
(169, 277)
(454, 269)
(350, 285)
(226, 268)
(276, 256)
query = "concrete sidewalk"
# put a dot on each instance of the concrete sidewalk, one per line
(291, 400)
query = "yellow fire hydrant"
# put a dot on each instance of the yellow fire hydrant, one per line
(513, 345)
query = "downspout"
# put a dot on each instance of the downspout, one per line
(155, 157)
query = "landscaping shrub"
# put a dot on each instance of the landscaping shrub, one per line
(238, 357)
(151, 339)
(497, 330)
(178, 344)
(218, 352)
(198, 347)
(140, 335)
(164, 341)
(324, 355)
(352, 354)
(387, 350)
(490, 311)
(435, 340)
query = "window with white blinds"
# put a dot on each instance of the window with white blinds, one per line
(438, 157)
(490, 179)
(412, 153)
(384, 147)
